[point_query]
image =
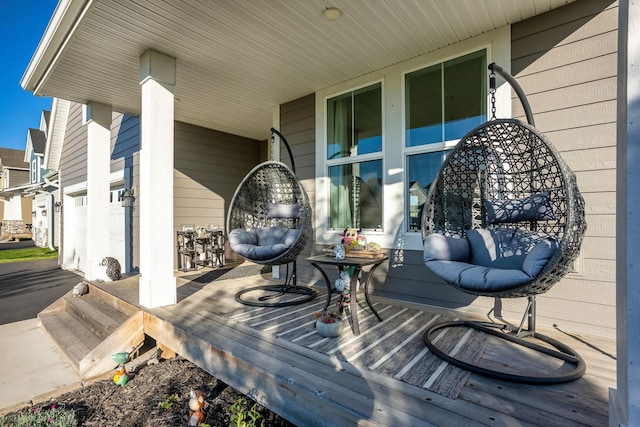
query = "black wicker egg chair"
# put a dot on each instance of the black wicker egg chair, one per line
(504, 218)
(269, 223)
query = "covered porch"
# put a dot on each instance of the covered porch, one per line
(225, 70)
(384, 376)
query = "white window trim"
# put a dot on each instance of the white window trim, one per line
(498, 45)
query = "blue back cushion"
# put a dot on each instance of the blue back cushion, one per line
(492, 248)
(443, 248)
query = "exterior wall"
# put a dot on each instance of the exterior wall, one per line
(297, 124)
(565, 61)
(573, 98)
(208, 166)
(73, 159)
(15, 177)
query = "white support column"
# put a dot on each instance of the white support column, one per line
(157, 281)
(624, 402)
(274, 154)
(97, 118)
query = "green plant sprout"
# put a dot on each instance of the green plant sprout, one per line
(240, 417)
(168, 400)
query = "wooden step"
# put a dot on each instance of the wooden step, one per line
(102, 319)
(89, 329)
(74, 340)
(102, 292)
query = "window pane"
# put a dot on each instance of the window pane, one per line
(339, 126)
(423, 93)
(445, 101)
(421, 170)
(465, 105)
(367, 120)
(356, 195)
(354, 123)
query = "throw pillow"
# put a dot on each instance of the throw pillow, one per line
(532, 208)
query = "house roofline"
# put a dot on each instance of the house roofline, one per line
(66, 17)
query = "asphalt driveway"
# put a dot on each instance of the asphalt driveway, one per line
(26, 288)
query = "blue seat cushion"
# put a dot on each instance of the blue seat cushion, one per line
(262, 243)
(477, 278)
(495, 260)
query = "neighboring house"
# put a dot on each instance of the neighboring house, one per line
(15, 210)
(42, 189)
(377, 97)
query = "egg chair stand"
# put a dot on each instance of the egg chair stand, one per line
(504, 218)
(269, 223)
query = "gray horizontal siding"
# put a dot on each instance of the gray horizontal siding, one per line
(73, 159)
(208, 167)
(297, 124)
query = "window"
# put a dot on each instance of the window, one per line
(442, 103)
(354, 158)
(34, 171)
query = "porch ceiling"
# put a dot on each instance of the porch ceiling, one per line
(237, 60)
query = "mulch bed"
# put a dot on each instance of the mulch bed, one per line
(157, 395)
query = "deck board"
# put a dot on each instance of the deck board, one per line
(378, 377)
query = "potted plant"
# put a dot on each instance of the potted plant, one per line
(328, 322)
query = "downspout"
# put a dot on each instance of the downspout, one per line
(51, 216)
(50, 201)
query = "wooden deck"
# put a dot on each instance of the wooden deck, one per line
(384, 376)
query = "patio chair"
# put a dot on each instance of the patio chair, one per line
(504, 218)
(269, 223)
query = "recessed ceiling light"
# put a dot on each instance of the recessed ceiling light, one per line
(332, 13)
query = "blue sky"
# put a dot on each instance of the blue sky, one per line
(22, 25)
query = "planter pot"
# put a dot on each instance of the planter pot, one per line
(329, 329)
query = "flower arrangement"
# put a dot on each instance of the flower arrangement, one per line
(352, 240)
(328, 315)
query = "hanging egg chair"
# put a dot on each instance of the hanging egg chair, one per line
(269, 223)
(504, 218)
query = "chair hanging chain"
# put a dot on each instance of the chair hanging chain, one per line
(492, 91)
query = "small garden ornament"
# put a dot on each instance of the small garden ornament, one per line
(80, 289)
(339, 251)
(120, 377)
(343, 281)
(196, 408)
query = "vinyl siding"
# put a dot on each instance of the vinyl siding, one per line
(208, 167)
(73, 160)
(297, 124)
(565, 61)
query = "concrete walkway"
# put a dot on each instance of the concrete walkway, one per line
(33, 367)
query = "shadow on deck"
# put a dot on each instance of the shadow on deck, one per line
(385, 376)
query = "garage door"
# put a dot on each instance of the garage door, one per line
(75, 233)
(75, 230)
